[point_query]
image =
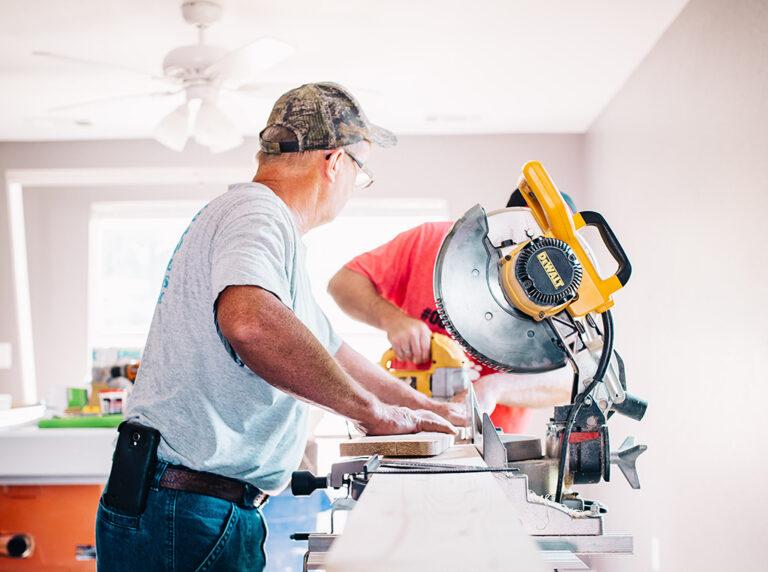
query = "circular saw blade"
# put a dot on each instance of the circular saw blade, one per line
(474, 309)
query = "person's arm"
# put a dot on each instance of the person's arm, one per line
(393, 391)
(357, 296)
(532, 389)
(524, 390)
(275, 345)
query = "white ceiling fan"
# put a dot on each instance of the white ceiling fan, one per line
(200, 71)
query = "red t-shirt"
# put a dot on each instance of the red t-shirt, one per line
(402, 270)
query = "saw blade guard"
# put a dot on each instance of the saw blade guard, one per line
(473, 307)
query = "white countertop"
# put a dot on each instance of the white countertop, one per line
(30, 455)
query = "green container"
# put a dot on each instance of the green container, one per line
(77, 397)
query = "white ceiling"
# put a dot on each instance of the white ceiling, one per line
(426, 66)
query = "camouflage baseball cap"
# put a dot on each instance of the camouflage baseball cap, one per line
(321, 116)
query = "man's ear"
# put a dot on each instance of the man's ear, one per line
(333, 164)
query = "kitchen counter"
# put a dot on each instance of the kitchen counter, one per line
(29, 455)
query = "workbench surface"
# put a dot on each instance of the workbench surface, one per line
(459, 521)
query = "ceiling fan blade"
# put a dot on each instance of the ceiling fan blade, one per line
(113, 99)
(245, 63)
(270, 89)
(173, 129)
(98, 63)
(214, 130)
(262, 89)
(52, 120)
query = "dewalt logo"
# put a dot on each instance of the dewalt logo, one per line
(549, 268)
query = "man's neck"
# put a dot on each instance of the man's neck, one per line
(298, 194)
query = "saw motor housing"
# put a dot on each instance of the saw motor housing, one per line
(552, 272)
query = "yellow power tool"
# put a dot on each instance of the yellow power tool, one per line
(449, 373)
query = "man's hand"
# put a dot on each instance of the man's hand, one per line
(393, 420)
(524, 389)
(393, 391)
(487, 392)
(358, 297)
(454, 411)
(410, 338)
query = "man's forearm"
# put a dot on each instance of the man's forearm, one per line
(279, 348)
(379, 382)
(528, 390)
(534, 389)
(358, 297)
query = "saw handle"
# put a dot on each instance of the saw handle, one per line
(389, 358)
(546, 203)
(591, 218)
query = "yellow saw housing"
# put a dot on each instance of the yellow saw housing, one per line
(567, 277)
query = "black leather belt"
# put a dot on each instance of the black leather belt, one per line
(184, 479)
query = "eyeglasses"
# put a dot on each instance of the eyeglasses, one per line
(364, 177)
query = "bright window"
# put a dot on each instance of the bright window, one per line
(130, 246)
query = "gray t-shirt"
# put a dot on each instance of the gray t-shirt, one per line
(213, 412)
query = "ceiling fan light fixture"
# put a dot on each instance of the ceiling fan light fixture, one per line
(173, 129)
(214, 130)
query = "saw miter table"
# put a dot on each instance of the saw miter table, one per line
(518, 288)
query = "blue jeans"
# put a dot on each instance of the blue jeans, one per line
(180, 531)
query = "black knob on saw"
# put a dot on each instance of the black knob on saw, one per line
(304, 483)
(632, 407)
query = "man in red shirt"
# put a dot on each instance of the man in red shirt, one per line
(390, 288)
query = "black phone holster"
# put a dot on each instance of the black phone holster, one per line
(133, 466)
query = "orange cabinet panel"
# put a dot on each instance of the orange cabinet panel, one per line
(59, 518)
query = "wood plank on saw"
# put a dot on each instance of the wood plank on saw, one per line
(416, 445)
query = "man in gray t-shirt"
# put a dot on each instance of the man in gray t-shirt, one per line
(238, 347)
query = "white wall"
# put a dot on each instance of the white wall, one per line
(465, 170)
(678, 163)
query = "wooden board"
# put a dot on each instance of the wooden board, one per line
(449, 522)
(416, 445)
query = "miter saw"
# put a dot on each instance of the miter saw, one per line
(519, 289)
